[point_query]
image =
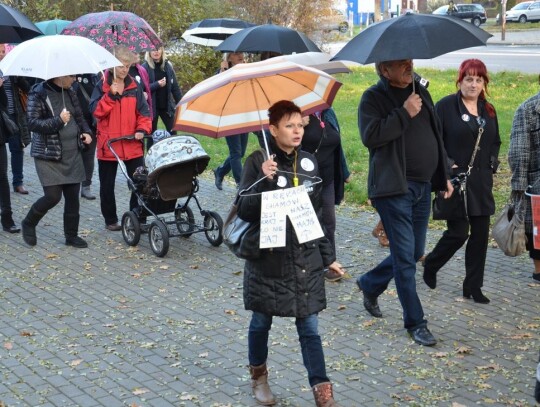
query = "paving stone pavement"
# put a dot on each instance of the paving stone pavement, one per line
(114, 325)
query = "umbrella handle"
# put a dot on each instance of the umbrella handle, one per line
(265, 142)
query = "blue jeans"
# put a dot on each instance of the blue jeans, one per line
(310, 343)
(17, 153)
(405, 219)
(237, 148)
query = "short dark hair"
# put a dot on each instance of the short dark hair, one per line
(281, 109)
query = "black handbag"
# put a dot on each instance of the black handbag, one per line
(455, 207)
(240, 236)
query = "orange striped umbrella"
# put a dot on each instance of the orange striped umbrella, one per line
(237, 100)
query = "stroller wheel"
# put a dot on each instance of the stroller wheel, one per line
(158, 235)
(213, 228)
(185, 220)
(131, 228)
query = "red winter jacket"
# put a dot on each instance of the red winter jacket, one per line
(118, 116)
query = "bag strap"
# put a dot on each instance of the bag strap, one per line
(476, 148)
(84, 93)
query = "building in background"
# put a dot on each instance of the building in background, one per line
(365, 12)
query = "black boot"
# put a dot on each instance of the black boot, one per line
(71, 230)
(29, 225)
(7, 222)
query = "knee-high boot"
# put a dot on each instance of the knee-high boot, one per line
(259, 385)
(29, 225)
(71, 231)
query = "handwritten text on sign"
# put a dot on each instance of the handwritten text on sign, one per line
(291, 202)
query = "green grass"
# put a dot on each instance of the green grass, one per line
(507, 92)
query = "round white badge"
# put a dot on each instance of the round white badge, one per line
(465, 117)
(307, 164)
(282, 181)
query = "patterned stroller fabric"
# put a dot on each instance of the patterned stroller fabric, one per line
(172, 164)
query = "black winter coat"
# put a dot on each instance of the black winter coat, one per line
(45, 126)
(383, 122)
(17, 84)
(286, 281)
(459, 138)
(174, 93)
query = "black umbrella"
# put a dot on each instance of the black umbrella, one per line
(212, 31)
(15, 27)
(412, 36)
(268, 38)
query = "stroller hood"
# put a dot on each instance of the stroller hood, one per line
(183, 151)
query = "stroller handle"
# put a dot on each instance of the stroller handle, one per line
(114, 140)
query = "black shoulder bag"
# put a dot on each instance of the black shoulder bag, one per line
(240, 236)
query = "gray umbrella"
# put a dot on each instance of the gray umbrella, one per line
(268, 38)
(15, 27)
(412, 36)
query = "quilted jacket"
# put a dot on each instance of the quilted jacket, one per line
(45, 126)
(285, 281)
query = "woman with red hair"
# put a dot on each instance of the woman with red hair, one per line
(462, 115)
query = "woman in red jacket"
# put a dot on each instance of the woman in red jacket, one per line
(120, 109)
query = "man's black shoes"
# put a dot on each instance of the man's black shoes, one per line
(423, 336)
(370, 303)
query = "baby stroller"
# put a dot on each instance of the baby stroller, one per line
(171, 167)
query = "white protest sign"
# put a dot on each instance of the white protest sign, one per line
(294, 203)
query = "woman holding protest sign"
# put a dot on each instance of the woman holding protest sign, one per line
(285, 281)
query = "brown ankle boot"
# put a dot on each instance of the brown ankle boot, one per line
(259, 385)
(324, 396)
(380, 234)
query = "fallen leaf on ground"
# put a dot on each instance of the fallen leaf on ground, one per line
(188, 397)
(139, 391)
(464, 350)
(525, 335)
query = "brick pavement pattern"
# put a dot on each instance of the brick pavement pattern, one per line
(113, 325)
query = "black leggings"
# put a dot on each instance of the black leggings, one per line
(53, 195)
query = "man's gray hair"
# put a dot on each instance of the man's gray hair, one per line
(379, 67)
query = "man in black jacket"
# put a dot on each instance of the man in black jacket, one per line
(406, 161)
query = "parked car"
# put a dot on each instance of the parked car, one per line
(475, 13)
(334, 19)
(523, 12)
